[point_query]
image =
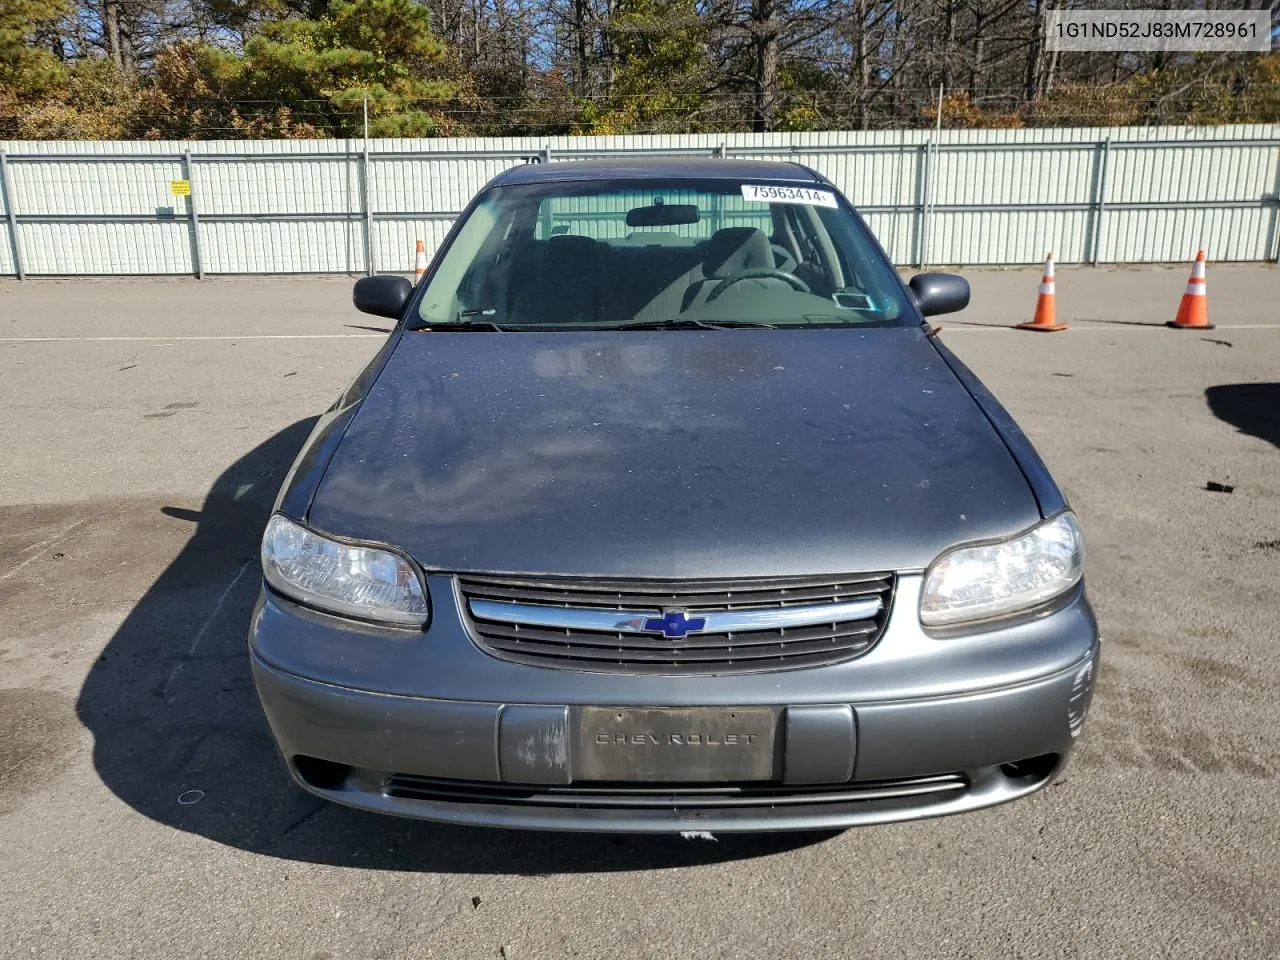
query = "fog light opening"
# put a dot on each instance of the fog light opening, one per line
(321, 774)
(1031, 770)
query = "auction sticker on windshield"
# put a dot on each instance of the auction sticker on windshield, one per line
(766, 193)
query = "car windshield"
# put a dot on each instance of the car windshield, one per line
(641, 253)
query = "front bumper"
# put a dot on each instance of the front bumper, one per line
(919, 726)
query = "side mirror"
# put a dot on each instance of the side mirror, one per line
(383, 296)
(936, 293)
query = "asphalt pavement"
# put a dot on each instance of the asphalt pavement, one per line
(144, 813)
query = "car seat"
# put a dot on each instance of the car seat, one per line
(731, 251)
(561, 283)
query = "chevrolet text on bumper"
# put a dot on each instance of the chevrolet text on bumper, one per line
(684, 527)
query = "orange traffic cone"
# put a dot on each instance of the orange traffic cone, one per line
(420, 262)
(1193, 312)
(1045, 319)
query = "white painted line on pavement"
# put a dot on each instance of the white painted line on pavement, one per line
(248, 336)
(952, 328)
(204, 627)
(1085, 326)
(43, 548)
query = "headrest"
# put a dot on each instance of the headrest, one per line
(570, 256)
(735, 249)
(566, 246)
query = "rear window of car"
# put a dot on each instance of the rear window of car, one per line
(603, 216)
(625, 253)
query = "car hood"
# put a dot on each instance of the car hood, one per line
(671, 454)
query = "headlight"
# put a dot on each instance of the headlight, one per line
(994, 579)
(364, 582)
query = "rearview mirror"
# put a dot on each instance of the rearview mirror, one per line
(383, 296)
(936, 293)
(662, 215)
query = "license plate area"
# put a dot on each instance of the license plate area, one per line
(677, 745)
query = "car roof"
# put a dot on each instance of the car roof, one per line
(657, 168)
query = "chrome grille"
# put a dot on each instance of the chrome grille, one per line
(610, 625)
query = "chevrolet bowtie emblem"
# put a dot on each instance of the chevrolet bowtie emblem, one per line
(674, 624)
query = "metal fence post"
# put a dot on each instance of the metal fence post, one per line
(545, 155)
(1100, 201)
(1274, 243)
(12, 216)
(366, 190)
(922, 202)
(1272, 248)
(193, 218)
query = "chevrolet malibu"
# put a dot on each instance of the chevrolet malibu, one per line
(663, 509)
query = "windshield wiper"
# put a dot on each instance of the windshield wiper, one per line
(468, 325)
(684, 323)
(671, 323)
(464, 320)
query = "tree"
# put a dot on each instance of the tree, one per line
(303, 68)
(379, 50)
(42, 95)
(29, 53)
(659, 68)
(311, 77)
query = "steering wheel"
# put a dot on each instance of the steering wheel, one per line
(760, 273)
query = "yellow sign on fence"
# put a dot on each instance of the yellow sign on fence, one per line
(180, 188)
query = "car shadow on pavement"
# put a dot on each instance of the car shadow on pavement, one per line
(179, 735)
(1252, 408)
